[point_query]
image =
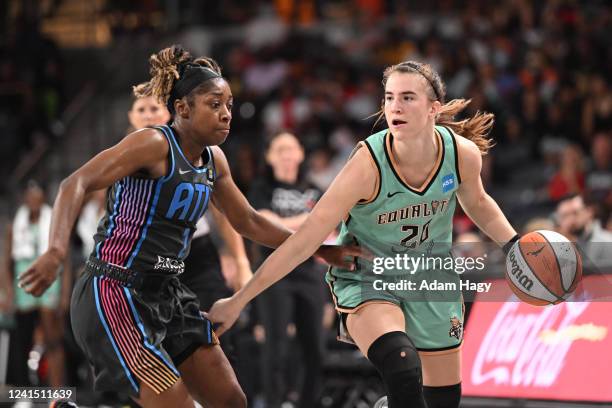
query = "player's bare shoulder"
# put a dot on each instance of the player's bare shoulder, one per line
(148, 142)
(148, 148)
(220, 162)
(465, 146)
(361, 166)
(362, 163)
(469, 157)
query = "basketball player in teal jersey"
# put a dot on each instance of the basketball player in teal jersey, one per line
(138, 325)
(395, 195)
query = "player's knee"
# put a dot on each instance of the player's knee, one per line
(394, 355)
(443, 397)
(397, 360)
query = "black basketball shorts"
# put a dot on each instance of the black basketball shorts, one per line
(136, 335)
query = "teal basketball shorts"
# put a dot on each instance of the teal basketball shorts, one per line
(433, 318)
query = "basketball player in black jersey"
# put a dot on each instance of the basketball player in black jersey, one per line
(202, 273)
(140, 328)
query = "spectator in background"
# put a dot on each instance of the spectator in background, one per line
(245, 167)
(146, 111)
(513, 152)
(27, 238)
(575, 219)
(320, 171)
(325, 162)
(290, 110)
(597, 108)
(531, 109)
(286, 198)
(599, 177)
(569, 178)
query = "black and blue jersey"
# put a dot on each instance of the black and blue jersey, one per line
(149, 222)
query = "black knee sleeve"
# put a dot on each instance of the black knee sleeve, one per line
(396, 359)
(443, 397)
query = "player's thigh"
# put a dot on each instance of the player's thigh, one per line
(175, 396)
(210, 379)
(441, 368)
(372, 320)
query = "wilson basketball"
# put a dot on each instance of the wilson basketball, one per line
(543, 268)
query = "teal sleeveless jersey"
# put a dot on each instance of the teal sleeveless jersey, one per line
(402, 219)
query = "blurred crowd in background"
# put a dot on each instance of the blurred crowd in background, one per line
(315, 67)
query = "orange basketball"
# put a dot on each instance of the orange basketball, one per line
(543, 268)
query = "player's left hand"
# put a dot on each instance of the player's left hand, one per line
(41, 274)
(342, 256)
(224, 311)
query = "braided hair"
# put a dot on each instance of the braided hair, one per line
(167, 68)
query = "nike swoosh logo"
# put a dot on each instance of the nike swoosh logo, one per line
(389, 195)
(184, 171)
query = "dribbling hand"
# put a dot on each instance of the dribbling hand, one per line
(41, 274)
(225, 312)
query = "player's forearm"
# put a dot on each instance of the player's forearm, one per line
(65, 212)
(264, 231)
(487, 215)
(293, 223)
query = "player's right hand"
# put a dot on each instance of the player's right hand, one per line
(224, 311)
(41, 274)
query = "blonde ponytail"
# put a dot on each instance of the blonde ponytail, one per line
(476, 128)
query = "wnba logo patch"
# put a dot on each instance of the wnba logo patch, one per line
(448, 183)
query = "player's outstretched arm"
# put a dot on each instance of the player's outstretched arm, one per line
(250, 222)
(474, 200)
(356, 181)
(242, 216)
(145, 150)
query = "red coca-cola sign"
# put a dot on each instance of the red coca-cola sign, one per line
(561, 352)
